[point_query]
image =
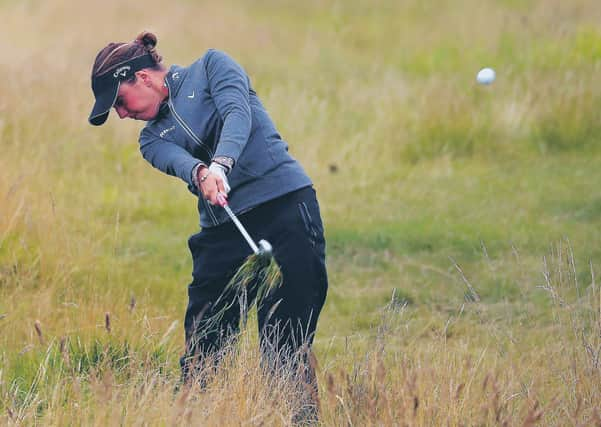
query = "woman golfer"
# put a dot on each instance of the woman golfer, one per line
(207, 126)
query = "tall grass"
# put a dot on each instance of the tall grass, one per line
(433, 190)
(463, 370)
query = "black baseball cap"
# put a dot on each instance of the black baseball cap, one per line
(106, 85)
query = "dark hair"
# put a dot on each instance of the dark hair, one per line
(115, 53)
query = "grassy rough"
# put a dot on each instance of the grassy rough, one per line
(433, 190)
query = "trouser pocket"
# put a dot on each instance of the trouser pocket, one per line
(313, 227)
(308, 222)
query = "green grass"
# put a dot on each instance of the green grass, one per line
(461, 220)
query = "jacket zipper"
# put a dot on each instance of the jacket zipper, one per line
(198, 141)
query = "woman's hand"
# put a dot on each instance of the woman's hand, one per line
(213, 181)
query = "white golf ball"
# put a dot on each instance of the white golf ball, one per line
(486, 76)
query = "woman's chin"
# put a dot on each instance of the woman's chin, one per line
(143, 117)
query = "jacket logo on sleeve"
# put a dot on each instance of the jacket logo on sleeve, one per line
(191, 96)
(166, 131)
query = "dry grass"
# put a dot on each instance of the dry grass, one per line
(377, 101)
(391, 377)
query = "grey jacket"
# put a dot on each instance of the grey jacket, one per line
(213, 111)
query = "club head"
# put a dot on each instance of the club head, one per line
(265, 248)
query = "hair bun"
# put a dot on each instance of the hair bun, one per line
(147, 39)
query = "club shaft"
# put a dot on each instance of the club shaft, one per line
(243, 231)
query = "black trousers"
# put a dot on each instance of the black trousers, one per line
(287, 316)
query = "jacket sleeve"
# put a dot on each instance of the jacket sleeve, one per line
(167, 156)
(229, 88)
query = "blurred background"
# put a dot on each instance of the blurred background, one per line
(464, 208)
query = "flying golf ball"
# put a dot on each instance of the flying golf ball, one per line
(486, 76)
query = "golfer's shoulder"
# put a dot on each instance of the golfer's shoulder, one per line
(215, 59)
(213, 54)
(210, 55)
(200, 64)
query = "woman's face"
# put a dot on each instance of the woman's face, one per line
(138, 100)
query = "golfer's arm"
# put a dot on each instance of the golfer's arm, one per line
(168, 157)
(229, 87)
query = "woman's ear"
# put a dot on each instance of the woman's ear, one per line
(145, 77)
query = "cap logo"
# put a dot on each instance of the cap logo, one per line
(121, 71)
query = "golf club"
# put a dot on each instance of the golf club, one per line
(263, 249)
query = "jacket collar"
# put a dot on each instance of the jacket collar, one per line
(175, 77)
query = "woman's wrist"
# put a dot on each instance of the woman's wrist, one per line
(226, 162)
(199, 174)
